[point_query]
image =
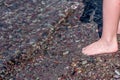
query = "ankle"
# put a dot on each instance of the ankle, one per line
(111, 44)
(109, 41)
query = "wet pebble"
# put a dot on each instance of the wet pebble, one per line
(116, 76)
(117, 72)
(84, 62)
(75, 5)
(37, 78)
(77, 41)
(34, 1)
(32, 41)
(66, 53)
(74, 64)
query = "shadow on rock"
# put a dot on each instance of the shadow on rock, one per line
(93, 7)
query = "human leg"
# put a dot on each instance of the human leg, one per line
(118, 31)
(108, 41)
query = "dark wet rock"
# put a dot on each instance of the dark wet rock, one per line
(93, 8)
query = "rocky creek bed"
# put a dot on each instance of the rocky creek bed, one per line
(42, 40)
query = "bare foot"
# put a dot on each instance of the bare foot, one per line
(100, 47)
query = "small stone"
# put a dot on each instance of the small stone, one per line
(32, 41)
(77, 40)
(79, 70)
(96, 30)
(34, 45)
(61, 15)
(25, 79)
(83, 40)
(59, 78)
(1, 57)
(1, 37)
(34, 1)
(116, 76)
(84, 62)
(69, 26)
(99, 59)
(79, 46)
(11, 79)
(36, 64)
(10, 27)
(37, 78)
(17, 51)
(10, 36)
(66, 52)
(74, 64)
(91, 59)
(42, 2)
(45, 34)
(76, 26)
(75, 6)
(34, 21)
(117, 72)
(67, 67)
